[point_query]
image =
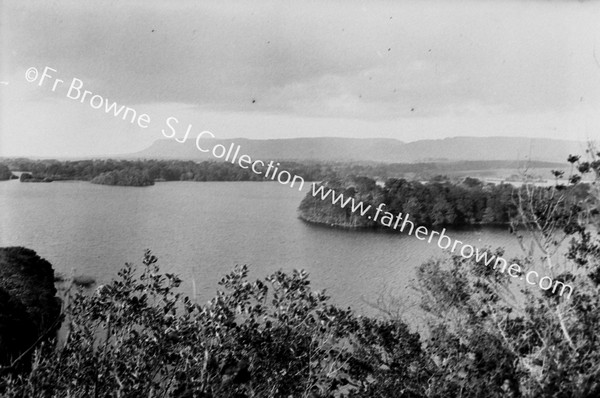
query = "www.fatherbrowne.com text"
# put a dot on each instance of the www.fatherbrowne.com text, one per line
(401, 222)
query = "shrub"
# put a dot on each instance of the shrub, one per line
(276, 337)
(29, 308)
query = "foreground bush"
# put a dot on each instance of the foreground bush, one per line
(138, 337)
(29, 308)
(495, 336)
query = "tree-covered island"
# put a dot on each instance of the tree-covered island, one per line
(441, 202)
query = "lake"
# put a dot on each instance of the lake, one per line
(200, 230)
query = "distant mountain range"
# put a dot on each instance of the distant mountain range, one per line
(376, 149)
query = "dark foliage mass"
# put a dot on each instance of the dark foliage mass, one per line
(29, 308)
(17, 330)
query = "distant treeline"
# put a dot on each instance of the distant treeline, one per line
(145, 172)
(429, 170)
(436, 203)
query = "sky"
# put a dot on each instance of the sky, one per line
(402, 69)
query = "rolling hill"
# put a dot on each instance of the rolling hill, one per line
(377, 149)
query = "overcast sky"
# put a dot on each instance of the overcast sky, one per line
(277, 69)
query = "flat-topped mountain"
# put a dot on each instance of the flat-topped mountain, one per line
(376, 149)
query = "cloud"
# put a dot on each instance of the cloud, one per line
(225, 54)
(390, 61)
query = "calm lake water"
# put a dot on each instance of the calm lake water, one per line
(201, 230)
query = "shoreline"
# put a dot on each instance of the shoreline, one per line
(378, 227)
